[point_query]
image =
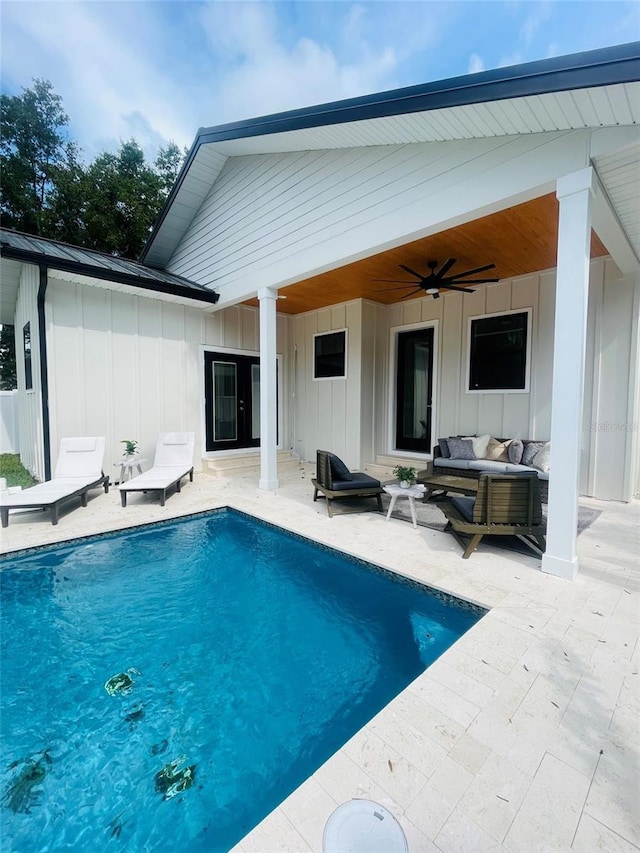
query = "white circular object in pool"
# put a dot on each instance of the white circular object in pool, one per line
(362, 826)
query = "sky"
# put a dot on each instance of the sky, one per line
(158, 71)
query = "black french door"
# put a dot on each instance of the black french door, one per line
(414, 390)
(232, 400)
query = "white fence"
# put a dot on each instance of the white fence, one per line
(9, 438)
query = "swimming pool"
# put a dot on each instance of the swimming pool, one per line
(244, 657)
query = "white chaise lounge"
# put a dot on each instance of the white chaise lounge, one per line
(173, 461)
(79, 469)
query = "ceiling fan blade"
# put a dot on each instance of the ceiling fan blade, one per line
(454, 287)
(388, 289)
(395, 281)
(471, 281)
(446, 266)
(474, 271)
(413, 272)
(413, 292)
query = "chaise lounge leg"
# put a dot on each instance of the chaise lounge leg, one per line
(330, 507)
(178, 486)
(163, 497)
(83, 498)
(315, 494)
(106, 485)
(4, 511)
(379, 499)
(191, 476)
(54, 513)
(471, 547)
(123, 498)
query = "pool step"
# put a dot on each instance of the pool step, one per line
(246, 462)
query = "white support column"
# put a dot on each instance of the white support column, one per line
(268, 390)
(574, 193)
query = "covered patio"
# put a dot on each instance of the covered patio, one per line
(522, 736)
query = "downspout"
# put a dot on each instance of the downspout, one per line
(44, 376)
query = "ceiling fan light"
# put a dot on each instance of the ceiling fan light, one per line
(433, 291)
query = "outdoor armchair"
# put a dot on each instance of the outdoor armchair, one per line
(335, 481)
(505, 505)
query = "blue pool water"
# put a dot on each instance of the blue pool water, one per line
(254, 654)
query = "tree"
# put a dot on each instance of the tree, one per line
(123, 200)
(33, 145)
(109, 205)
(8, 375)
(168, 163)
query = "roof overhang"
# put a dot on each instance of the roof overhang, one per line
(594, 89)
(83, 265)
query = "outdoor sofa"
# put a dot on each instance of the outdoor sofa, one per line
(496, 455)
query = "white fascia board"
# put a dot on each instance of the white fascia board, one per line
(606, 224)
(490, 184)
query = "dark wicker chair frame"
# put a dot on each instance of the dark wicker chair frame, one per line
(506, 505)
(333, 489)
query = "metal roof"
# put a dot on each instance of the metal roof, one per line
(597, 88)
(17, 248)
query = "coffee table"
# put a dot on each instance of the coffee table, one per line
(447, 483)
(411, 493)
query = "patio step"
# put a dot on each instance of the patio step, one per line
(244, 463)
(382, 468)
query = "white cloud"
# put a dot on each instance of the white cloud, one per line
(541, 14)
(159, 71)
(96, 66)
(476, 63)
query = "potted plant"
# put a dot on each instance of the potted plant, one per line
(406, 475)
(130, 446)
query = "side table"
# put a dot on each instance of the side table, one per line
(127, 466)
(411, 493)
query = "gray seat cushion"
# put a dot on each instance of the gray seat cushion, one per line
(357, 481)
(489, 465)
(452, 463)
(464, 505)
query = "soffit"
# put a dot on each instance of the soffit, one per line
(595, 107)
(519, 240)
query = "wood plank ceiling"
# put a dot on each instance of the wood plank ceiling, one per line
(519, 240)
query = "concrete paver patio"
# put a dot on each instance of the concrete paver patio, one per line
(523, 736)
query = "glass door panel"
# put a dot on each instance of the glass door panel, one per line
(255, 401)
(225, 401)
(414, 384)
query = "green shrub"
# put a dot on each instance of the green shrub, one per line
(14, 471)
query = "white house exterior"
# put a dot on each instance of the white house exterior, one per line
(535, 169)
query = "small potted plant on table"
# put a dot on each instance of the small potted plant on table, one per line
(130, 447)
(406, 475)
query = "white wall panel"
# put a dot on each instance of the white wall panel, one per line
(125, 366)
(281, 217)
(611, 418)
(29, 402)
(328, 413)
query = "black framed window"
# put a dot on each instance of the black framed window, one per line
(330, 355)
(498, 352)
(28, 372)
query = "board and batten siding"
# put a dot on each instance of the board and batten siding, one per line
(335, 414)
(30, 426)
(353, 417)
(278, 218)
(130, 367)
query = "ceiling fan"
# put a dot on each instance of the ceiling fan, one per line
(432, 282)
